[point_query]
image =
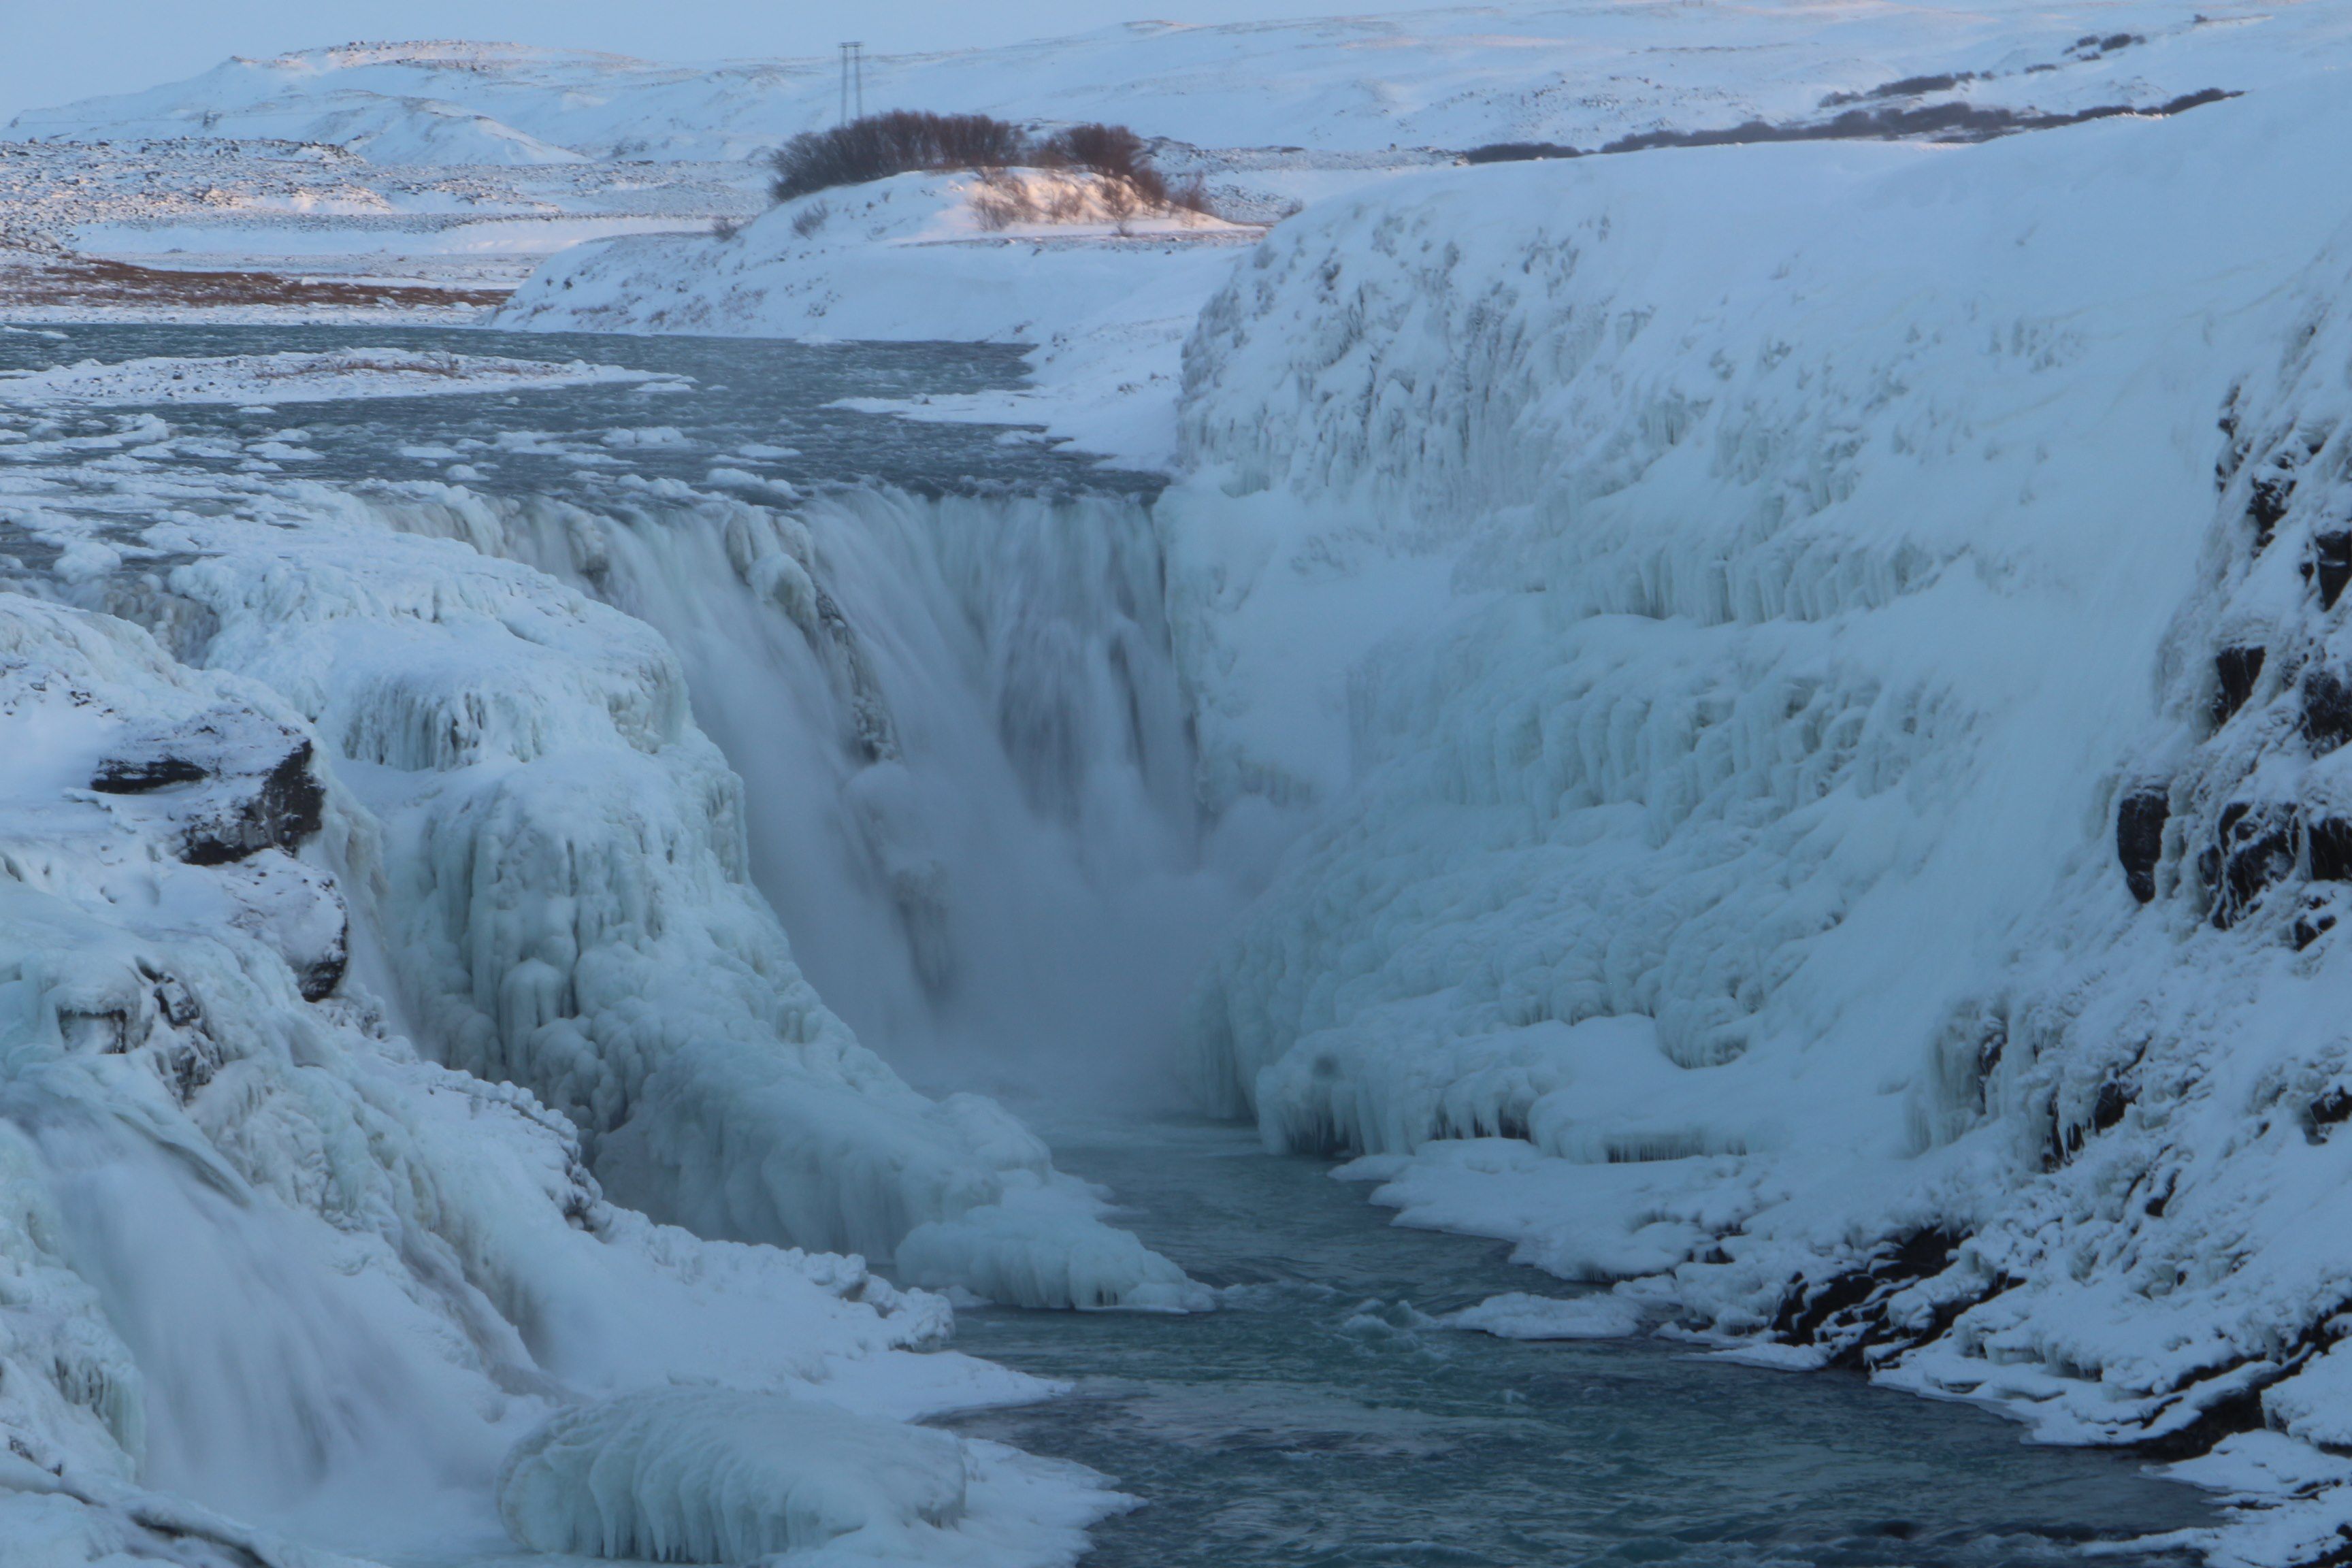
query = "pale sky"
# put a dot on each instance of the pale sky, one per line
(54, 51)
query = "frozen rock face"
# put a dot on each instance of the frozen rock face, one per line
(232, 790)
(1853, 841)
(253, 1244)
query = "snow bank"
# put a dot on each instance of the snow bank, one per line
(1734, 608)
(911, 257)
(301, 378)
(1023, 256)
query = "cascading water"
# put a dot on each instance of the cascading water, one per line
(968, 765)
(939, 662)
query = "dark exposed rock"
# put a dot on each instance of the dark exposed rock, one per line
(2331, 566)
(2234, 447)
(2267, 503)
(231, 781)
(2108, 1108)
(2326, 709)
(118, 776)
(1885, 122)
(2235, 671)
(318, 980)
(2253, 847)
(289, 806)
(2140, 838)
(2328, 842)
(1847, 1312)
(2314, 921)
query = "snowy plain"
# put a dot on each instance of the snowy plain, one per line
(1801, 682)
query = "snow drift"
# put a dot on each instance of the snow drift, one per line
(1719, 882)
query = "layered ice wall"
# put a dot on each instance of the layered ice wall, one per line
(1732, 603)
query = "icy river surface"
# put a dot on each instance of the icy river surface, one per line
(1323, 1416)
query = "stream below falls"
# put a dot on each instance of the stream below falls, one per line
(1324, 1418)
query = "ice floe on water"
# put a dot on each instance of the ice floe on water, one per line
(260, 380)
(1516, 1315)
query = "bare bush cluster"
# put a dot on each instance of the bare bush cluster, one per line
(906, 140)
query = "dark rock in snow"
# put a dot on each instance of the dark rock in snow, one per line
(2253, 847)
(2140, 838)
(2328, 842)
(234, 782)
(123, 776)
(2267, 505)
(2326, 710)
(2329, 1109)
(2314, 921)
(2331, 566)
(2236, 669)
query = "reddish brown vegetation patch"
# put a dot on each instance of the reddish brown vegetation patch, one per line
(84, 280)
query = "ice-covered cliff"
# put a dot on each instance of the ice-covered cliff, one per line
(1829, 782)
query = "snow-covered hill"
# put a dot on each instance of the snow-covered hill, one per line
(1580, 74)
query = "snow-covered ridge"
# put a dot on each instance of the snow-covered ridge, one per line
(1582, 74)
(1720, 883)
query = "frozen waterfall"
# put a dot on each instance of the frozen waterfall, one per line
(970, 778)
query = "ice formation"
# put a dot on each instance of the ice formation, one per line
(1519, 1316)
(692, 1476)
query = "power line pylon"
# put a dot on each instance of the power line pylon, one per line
(853, 79)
